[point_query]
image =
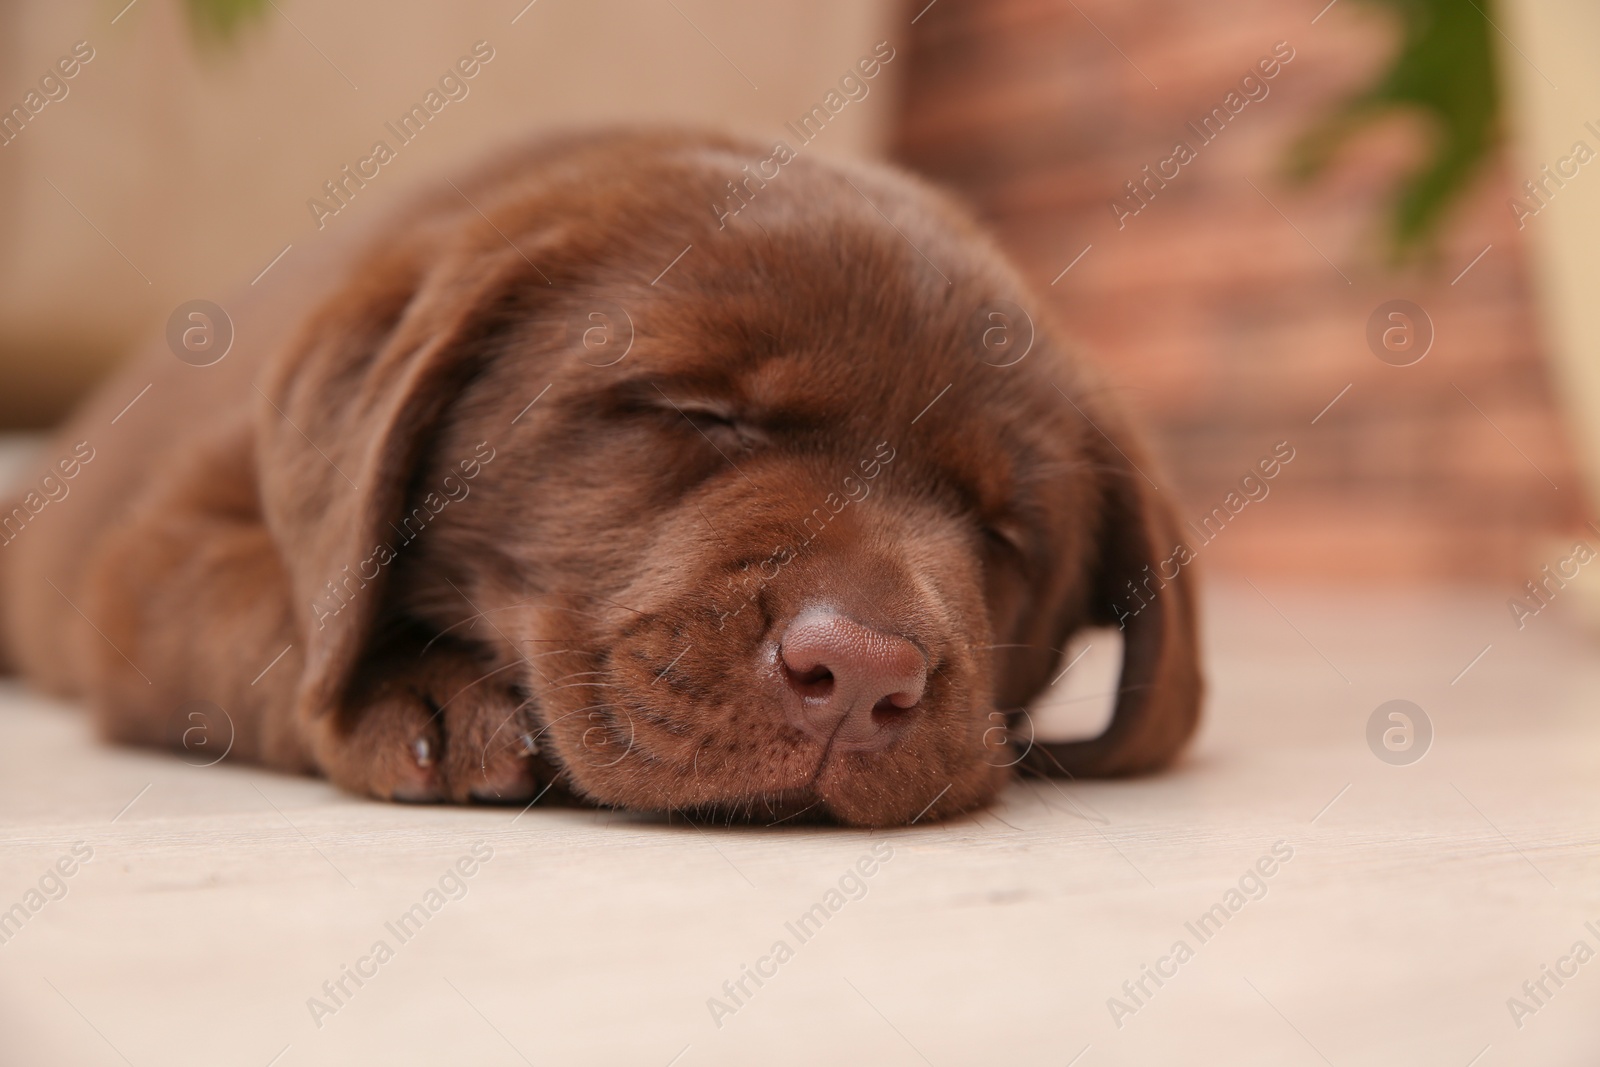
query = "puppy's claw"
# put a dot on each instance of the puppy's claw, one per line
(423, 787)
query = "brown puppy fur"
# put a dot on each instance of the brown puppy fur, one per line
(482, 598)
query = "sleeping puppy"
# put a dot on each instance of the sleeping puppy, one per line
(571, 476)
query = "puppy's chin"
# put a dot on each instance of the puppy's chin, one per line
(846, 791)
(847, 795)
(654, 761)
(857, 792)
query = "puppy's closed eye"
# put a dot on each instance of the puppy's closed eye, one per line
(1007, 542)
(715, 420)
(722, 426)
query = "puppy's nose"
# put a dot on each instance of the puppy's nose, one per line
(850, 679)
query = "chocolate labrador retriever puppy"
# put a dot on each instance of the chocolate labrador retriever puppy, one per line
(666, 468)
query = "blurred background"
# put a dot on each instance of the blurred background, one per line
(1386, 157)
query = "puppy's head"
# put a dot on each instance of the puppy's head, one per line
(758, 473)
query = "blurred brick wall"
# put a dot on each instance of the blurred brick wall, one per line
(1231, 315)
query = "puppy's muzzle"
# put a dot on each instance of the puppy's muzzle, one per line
(851, 683)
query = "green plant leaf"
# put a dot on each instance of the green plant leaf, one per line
(1445, 68)
(220, 20)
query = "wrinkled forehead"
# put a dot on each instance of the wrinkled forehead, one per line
(814, 310)
(839, 313)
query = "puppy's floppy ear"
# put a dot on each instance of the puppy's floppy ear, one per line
(348, 410)
(1139, 584)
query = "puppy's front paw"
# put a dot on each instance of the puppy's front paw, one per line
(434, 725)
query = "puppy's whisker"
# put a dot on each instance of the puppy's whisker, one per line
(573, 685)
(1045, 648)
(576, 674)
(560, 718)
(796, 814)
(484, 613)
(1075, 466)
(501, 633)
(591, 707)
(470, 618)
(597, 596)
(712, 528)
(580, 685)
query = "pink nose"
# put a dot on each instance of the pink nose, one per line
(849, 681)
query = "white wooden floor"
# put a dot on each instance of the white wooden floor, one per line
(1417, 900)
